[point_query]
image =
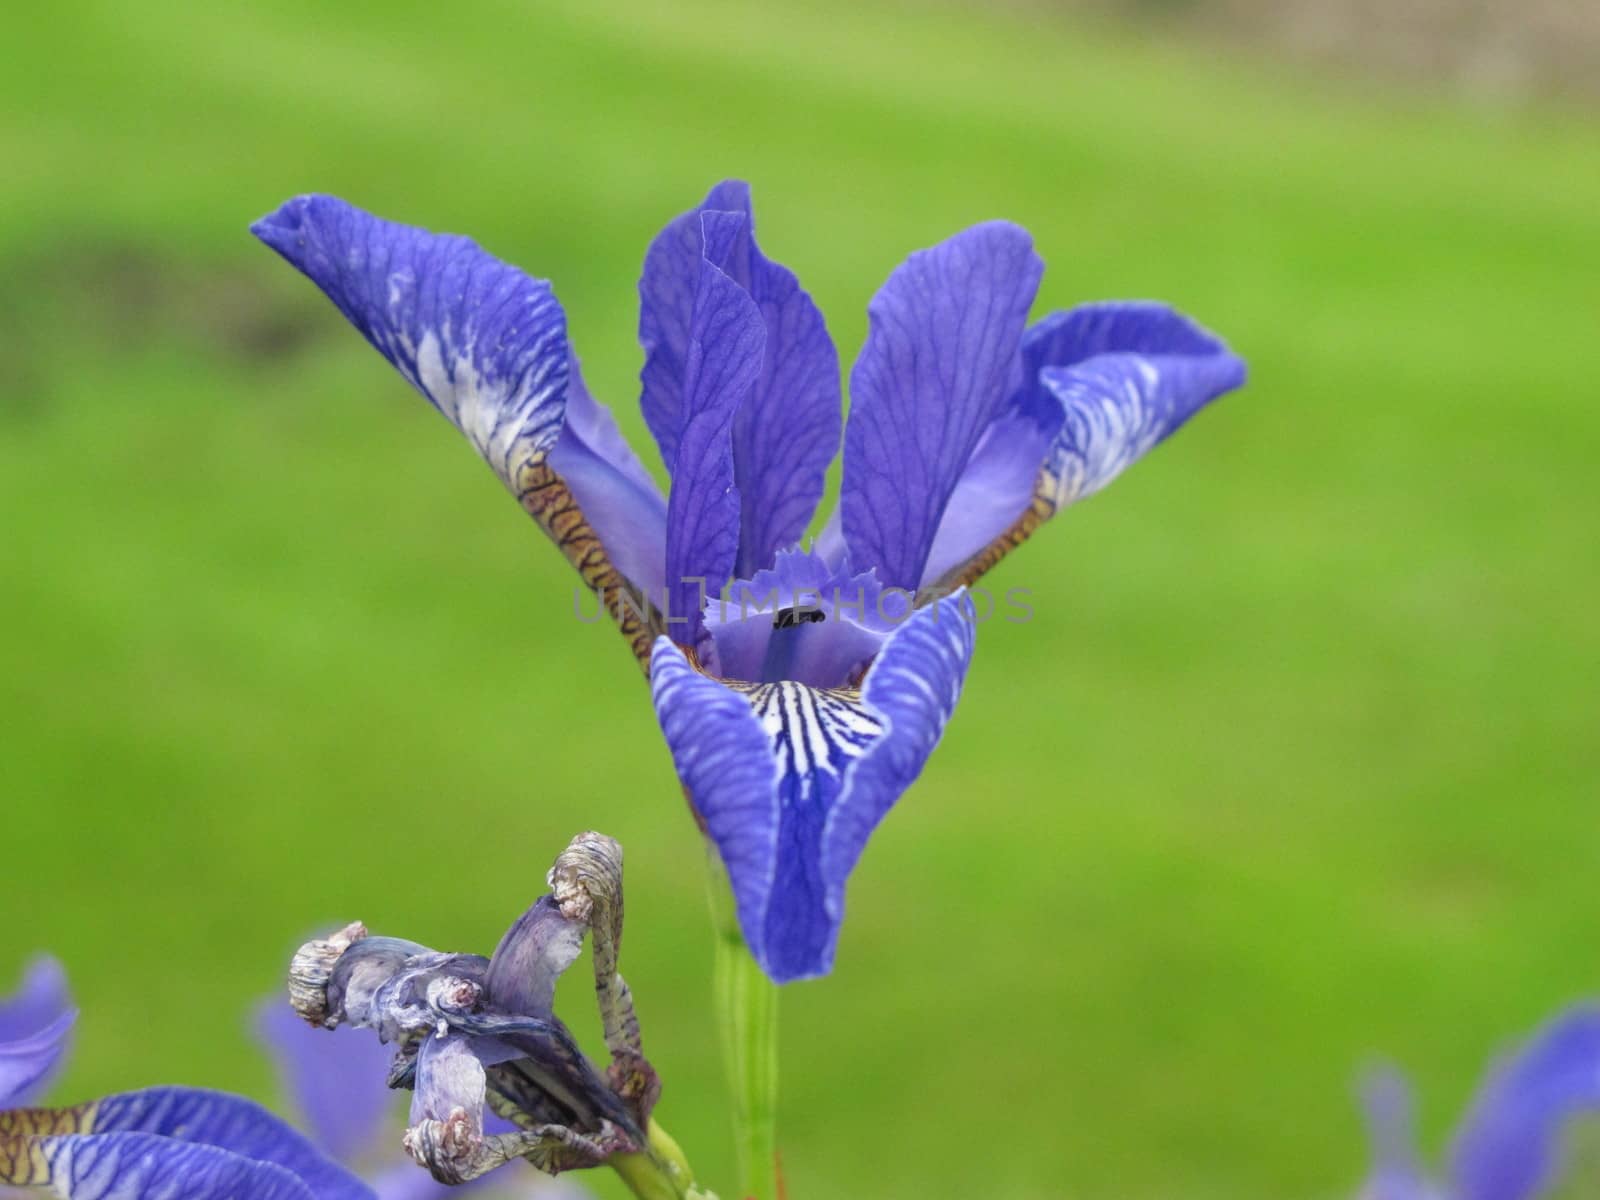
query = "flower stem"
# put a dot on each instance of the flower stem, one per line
(661, 1172)
(747, 1018)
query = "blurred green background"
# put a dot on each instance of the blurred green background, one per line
(1295, 765)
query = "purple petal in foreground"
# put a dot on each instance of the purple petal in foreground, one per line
(939, 362)
(336, 1079)
(791, 780)
(1509, 1146)
(142, 1166)
(138, 1143)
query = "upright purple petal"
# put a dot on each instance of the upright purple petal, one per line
(667, 291)
(939, 362)
(1509, 1146)
(336, 1079)
(483, 342)
(787, 431)
(790, 780)
(35, 1025)
(722, 363)
(141, 1166)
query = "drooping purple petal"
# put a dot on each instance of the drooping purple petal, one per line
(721, 365)
(1190, 366)
(939, 362)
(801, 620)
(173, 1121)
(787, 431)
(1396, 1169)
(531, 956)
(335, 1078)
(483, 342)
(616, 494)
(791, 780)
(1120, 404)
(1509, 1146)
(141, 1166)
(913, 687)
(487, 345)
(35, 1025)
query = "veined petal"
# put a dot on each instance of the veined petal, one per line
(335, 1079)
(787, 431)
(35, 1024)
(1509, 1146)
(487, 346)
(791, 780)
(939, 363)
(721, 366)
(1120, 404)
(71, 1145)
(1101, 385)
(140, 1166)
(483, 342)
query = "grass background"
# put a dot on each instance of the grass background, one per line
(1296, 763)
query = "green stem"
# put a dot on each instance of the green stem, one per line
(661, 1172)
(747, 1016)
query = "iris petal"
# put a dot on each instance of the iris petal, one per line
(721, 366)
(487, 346)
(787, 431)
(530, 958)
(1101, 385)
(94, 1145)
(336, 1079)
(1120, 405)
(938, 365)
(616, 495)
(791, 780)
(1396, 1169)
(35, 1023)
(1508, 1148)
(139, 1166)
(40, 999)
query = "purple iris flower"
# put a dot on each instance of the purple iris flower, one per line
(1509, 1145)
(800, 691)
(161, 1143)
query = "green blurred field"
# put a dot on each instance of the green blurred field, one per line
(1295, 765)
